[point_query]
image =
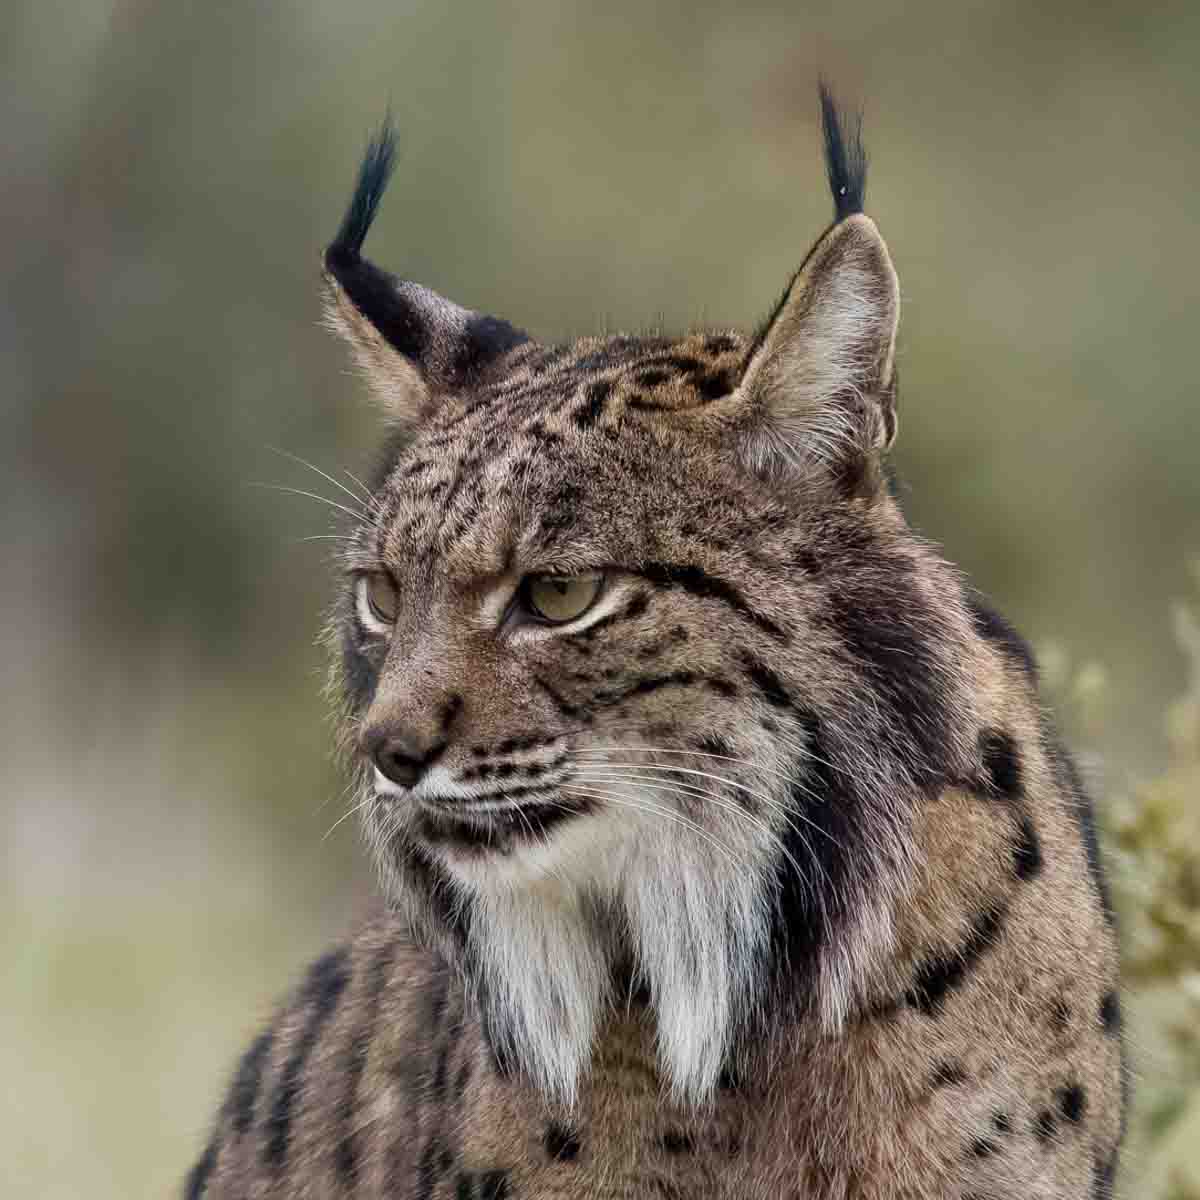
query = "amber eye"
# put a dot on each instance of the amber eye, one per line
(560, 598)
(380, 593)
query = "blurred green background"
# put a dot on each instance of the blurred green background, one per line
(170, 173)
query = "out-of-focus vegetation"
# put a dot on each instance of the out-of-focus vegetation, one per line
(169, 174)
(1154, 841)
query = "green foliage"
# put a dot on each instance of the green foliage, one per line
(1153, 838)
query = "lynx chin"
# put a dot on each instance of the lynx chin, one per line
(727, 848)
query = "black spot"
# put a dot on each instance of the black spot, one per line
(677, 1141)
(198, 1176)
(720, 343)
(1001, 763)
(1001, 1122)
(449, 710)
(321, 991)
(948, 1074)
(591, 411)
(1110, 1013)
(1045, 1126)
(1072, 1103)
(995, 630)
(1027, 850)
(638, 603)
(984, 1147)
(715, 744)
(714, 385)
(493, 1185)
(938, 976)
(561, 1143)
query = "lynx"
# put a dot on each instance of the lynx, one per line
(727, 848)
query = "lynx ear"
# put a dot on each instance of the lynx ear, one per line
(412, 345)
(820, 379)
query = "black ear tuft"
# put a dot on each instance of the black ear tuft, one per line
(845, 158)
(373, 175)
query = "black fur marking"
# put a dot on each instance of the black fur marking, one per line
(322, 989)
(199, 1175)
(493, 1185)
(677, 1141)
(484, 340)
(1001, 763)
(593, 409)
(1072, 1103)
(1067, 776)
(948, 1074)
(845, 158)
(562, 1144)
(346, 1155)
(449, 710)
(994, 629)
(984, 1147)
(1027, 850)
(1110, 1013)
(899, 659)
(713, 743)
(1001, 1122)
(244, 1092)
(822, 844)
(698, 582)
(1045, 1126)
(940, 975)
(767, 682)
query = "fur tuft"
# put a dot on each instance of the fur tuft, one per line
(373, 176)
(845, 157)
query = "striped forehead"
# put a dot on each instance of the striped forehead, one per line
(517, 459)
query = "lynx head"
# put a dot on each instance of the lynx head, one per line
(642, 668)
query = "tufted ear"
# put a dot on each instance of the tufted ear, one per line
(820, 379)
(412, 345)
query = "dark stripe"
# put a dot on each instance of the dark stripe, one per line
(698, 582)
(1066, 775)
(1027, 850)
(995, 630)
(359, 1050)
(244, 1092)
(591, 411)
(936, 977)
(445, 1026)
(325, 983)
(1001, 763)
(198, 1176)
(493, 1185)
(767, 682)
(1110, 1013)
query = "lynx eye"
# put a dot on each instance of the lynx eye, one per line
(561, 598)
(380, 593)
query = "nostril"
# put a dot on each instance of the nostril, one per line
(396, 765)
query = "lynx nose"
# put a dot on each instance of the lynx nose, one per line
(401, 759)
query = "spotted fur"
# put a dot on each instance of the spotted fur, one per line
(766, 875)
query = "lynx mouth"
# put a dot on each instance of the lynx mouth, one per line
(495, 825)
